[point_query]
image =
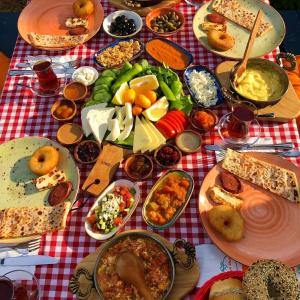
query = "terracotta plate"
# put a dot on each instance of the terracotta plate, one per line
(48, 17)
(272, 224)
(263, 45)
(14, 172)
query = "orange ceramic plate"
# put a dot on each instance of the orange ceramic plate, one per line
(272, 224)
(48, 17)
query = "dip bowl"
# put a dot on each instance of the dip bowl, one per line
(268, 65)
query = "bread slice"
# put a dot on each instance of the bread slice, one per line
(232, 10)
(275, 179)
(56, 41)
(76, 22)
(220, 196)
(207, 26)
(28, 221)
(227, 289)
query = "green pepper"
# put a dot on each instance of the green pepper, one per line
(105, 80)
(166, 90)
(108, 73)
(127, 76)
(127, 66)
(176, 88)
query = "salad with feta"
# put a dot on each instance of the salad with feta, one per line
(111, 209)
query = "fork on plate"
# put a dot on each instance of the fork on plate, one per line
(23, 248)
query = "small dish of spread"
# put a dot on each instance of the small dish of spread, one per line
(86, 75)
(189, 141)
(138, 166)
(69, 134)
(87, 152)
(75, 91)
(167, 156)
(63, 110)
(203, 119)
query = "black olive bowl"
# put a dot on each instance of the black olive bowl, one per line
(111, 18)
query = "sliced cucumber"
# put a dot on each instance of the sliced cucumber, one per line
(105, 80)
(101, 87)
(103, 97)
(108, 73)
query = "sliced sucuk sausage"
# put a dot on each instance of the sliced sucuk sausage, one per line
(230, 183)
(60, 193)
(216, 18)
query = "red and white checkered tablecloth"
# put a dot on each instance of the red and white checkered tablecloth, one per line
(23, 114)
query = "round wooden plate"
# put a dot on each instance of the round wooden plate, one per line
(263, 45)
(14, 173)
(272, 224)
(48, 17)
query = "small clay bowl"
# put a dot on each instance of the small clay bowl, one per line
(84, 144)
(183, 141)
(130, 160)
(196, 126)
(160, 12)
(166, 166)
(59, 103)
(80, 91)
(69, 134)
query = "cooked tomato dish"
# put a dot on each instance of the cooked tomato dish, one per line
(167, 198)
(156, 269)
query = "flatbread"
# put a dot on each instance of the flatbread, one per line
(232, 10)
(56, 41)
(29, 221)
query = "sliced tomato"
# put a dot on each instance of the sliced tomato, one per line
(91, 219)
(181, 116)
(122, 206)
(175, 122)
(167, 130)
(118, 221)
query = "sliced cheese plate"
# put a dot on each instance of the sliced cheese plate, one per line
(14, 173)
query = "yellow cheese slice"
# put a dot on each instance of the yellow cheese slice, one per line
(155, 141)
(160, 137)
(141, 139)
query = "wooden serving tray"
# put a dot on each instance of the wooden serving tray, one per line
(286, 109)
(143, 11)
(185, 280)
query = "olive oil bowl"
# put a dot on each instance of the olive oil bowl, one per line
(275, 76)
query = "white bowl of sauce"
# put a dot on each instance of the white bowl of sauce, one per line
(189, 141)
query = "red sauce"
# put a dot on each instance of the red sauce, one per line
(6, 289)
(47, 79)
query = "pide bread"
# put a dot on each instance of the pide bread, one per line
(227, 289)
(232, 10)
(207, 26)
(220, 196)
(76, 22)
(56, 41)
(273, 178)
(28, 221)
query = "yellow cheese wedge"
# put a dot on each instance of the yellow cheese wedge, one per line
(155, 141)
(141, 139)
(160, 137)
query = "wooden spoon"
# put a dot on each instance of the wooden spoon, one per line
(241, 69)
(130, 268)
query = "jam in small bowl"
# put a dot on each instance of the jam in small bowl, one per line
(203, 119)
(167, 156)
(87, 152)
(138, 166)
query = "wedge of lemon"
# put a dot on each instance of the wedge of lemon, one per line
(157, 110)
(118, 99)
(144, 83)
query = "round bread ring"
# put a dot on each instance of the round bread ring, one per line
(220, 40)
(264, 275)
(43, 160)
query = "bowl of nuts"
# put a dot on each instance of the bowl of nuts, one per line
(165, 21)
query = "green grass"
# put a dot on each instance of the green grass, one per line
(285, 4)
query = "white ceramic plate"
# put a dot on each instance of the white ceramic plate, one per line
(121, 182)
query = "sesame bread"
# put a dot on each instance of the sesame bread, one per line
(233, 11)
(275, 179)
(220, 196)
(73, 22)
(29, 221)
